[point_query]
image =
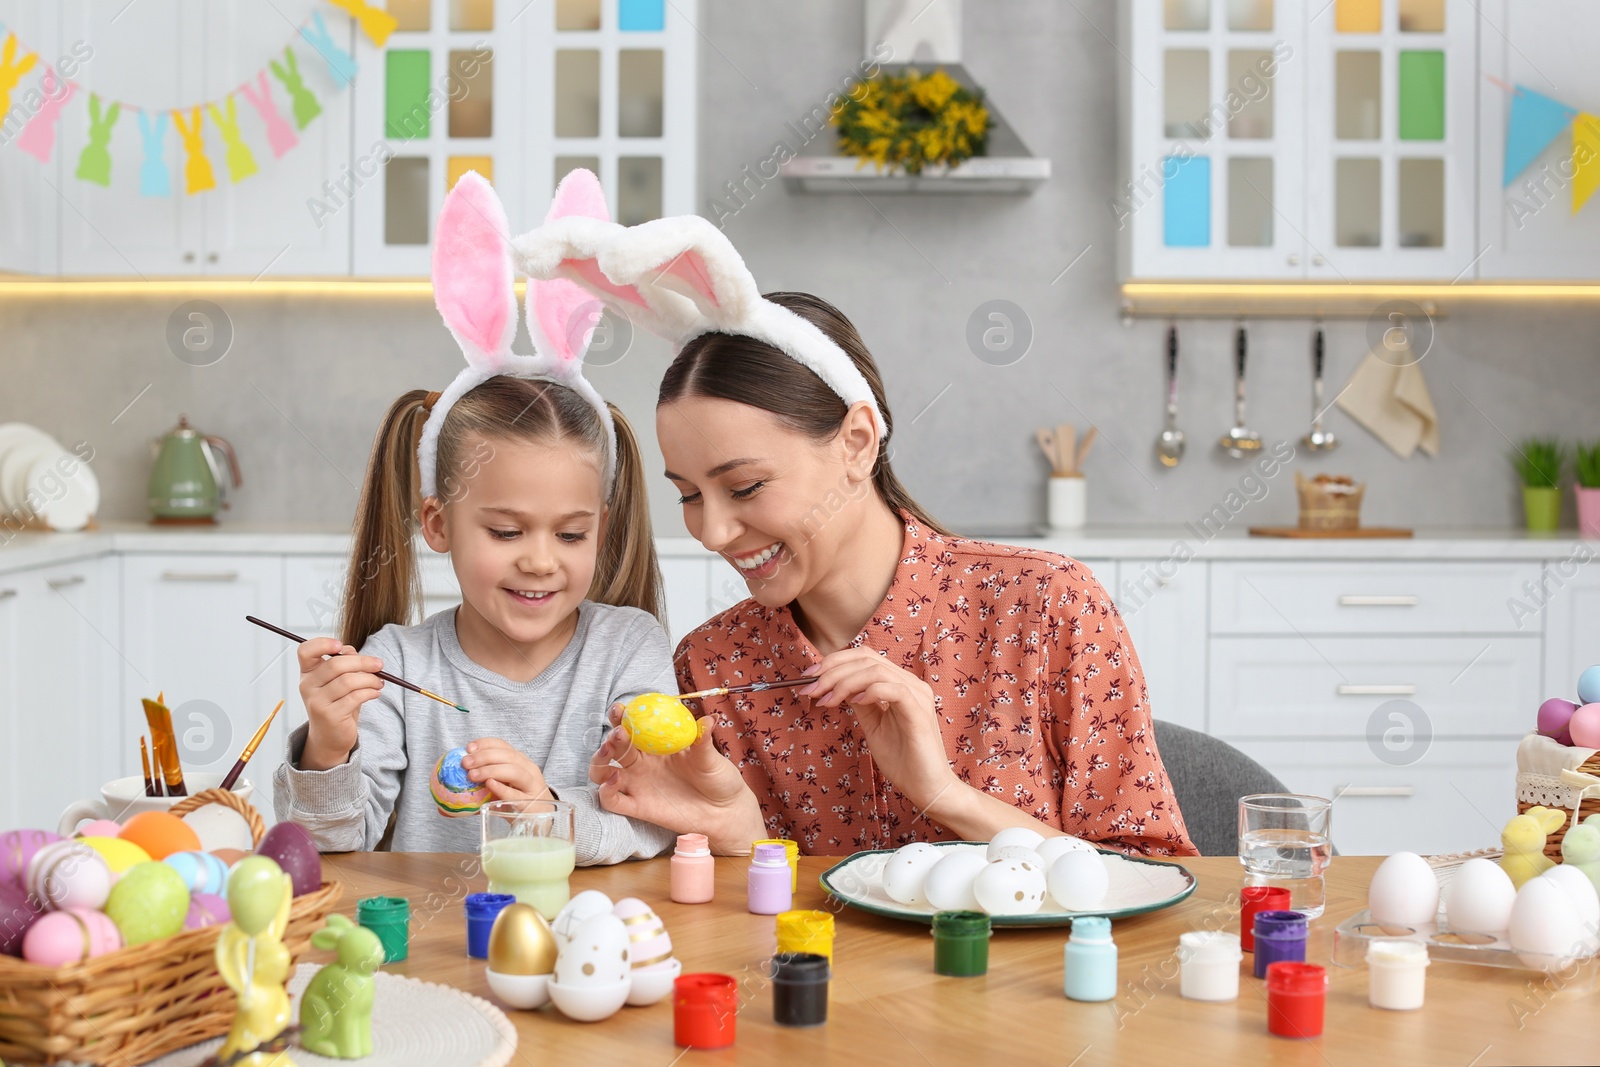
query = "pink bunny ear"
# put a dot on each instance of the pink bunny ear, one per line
(561, 314)
(579, 194)
(473, 284)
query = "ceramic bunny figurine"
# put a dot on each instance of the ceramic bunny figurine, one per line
(1580, 848)
(253, 961)
(336, 1011)
(1523, 839)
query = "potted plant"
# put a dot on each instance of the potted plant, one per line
(1586, 460)
(1538, 461)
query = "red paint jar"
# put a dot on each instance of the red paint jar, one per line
(1297, 994)
(1254, 898)
(704, 1010)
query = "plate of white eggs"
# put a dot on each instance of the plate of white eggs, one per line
(1020, 878)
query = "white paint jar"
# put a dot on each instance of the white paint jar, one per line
(1398, 974)
(1209, 962)
(1068, 501)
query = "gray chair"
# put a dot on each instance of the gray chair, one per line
(1208, 777)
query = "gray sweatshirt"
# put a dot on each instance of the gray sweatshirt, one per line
(557, 720)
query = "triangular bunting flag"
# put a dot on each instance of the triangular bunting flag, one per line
(1536, 120)
(1585, 159)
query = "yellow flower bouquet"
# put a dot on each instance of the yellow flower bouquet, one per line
(911, 120)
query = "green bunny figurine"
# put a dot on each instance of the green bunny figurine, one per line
(336, 1011)
(1580, 848)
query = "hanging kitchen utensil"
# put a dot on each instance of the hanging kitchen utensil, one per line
(1169, 446)
(187, 484)
(1240, 442)
(1318, 440)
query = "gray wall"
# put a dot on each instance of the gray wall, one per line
(307, 379)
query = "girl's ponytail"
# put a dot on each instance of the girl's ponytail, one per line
(382, 585)
(626, 572)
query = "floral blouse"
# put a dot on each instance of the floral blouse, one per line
(1036, 685)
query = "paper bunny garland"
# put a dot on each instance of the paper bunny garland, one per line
(474, 289)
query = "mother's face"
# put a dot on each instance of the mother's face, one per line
(775, 503)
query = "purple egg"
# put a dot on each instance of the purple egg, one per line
(291, 847)
(18, 911)
(1555, 715)
(17, 848)
(206, 909)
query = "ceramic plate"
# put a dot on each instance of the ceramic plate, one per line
(67, 501)
(1137, 886)
(15, 466)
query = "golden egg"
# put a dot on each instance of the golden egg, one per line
(659, 724)
(520, 942)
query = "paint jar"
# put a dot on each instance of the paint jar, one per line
(481, 910)
(1254, 898)
(791, 852)
(806, 931)
(1090, 960)
(961, 943)
(1209, 962)
(694, 873)
(705, 1008)
(1297, 995)
(1280, 935)
(770, 884)
(1398, 972)
(800, 989)
(390, 919)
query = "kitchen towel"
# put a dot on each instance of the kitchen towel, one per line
(1388, 396)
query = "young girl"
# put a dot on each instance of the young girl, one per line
(534, 486)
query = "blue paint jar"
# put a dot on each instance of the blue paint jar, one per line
(1280, 936)
(482, 908)
(1090, 958)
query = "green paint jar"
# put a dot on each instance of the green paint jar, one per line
(961, 943)
(390, 919)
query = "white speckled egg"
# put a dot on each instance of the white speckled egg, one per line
(583, 906)
(1013, 835)
(1478, 899)
(1053, 848)
(948, 886)
(903, 872)
(597, 954)
(1404, 891)
(1010, 887)
(1020, 855)
(1078, 880)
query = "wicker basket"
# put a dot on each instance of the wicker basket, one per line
(135, 1004)
(1321, 509)
(1586, 807)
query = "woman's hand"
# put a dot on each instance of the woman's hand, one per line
(506, 771)
(697, 790)
(333, 686)
(895, 710)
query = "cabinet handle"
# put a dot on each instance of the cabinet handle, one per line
(1294, 259)
(62, 583)
(188, 257)
(1375, 791)
(7, 594)
(1378, 601)
(1377, 690)
(1318, 261)
(199, 576)
(212, 258)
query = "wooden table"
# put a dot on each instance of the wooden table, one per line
(888, 1007)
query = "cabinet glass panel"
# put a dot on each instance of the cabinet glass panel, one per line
(456, 166)
(566, 164)
(1422, 96)
(405, 94)
(641, 15)
(1187, 15)
(1247, 77)
(472, 93)
(411, 15)
(638, 189)
(639, 92)
(1358, 104)
(1188, 74)
(1358, 16)
(472, 15)
(577, 92)
(1250, 202)
(1421, 203)
(1358, 206)
(405, 201)
(1421, 16)
(1186, 201)
(577, 14)
(1249, 14)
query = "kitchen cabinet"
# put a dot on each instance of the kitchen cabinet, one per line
(1164, 605)
(1570, 590)
(29, 207)
(15, 778)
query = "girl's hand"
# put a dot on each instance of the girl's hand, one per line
(697, 790)
(506, 771)
(333, 687)
(895, 710)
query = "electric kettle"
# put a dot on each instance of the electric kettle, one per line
(187, 485)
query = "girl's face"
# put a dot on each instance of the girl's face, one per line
(775, 503)
(522, 527)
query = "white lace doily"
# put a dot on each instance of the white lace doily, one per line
(414, 1024)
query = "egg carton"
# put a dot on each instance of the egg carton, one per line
(1351, 938)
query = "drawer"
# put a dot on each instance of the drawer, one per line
(1454, 799)
(1371, 598)
(313, 590)
(1331, 686)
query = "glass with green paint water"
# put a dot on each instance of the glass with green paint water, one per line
(527, 851)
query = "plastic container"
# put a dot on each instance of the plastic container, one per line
(481, 909)
(1280, 936)
(705, 1009)
(1398, 972)
(791, 853)
(961, 943)
(771, 888)
(1209, 965)
(800, 989)
(1089, 969)
(1254, 898)
(694, 872)
(1297, 995)
(390, 919)
(806, 931)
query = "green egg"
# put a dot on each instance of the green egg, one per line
(148, 903)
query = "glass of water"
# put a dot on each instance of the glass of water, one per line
(1283, 841)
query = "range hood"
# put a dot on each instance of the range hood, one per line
(925, 35)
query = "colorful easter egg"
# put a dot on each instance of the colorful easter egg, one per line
(149, 903)
(456, 794)
(69, 874)
(659, 724)
(118, 854)
(160, 833)
(18, 911)
(206, 909)
(16, 849)
(70, 936)
(99, 828)
(648, 942)
(290, 846)
(201, 871)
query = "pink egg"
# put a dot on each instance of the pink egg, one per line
(18, 911)
(70, 936)
(291, 846)
(206, 909)
(99, 828)
(1585, 726)
(648, 942)
(16, 849)
(69, 874)
(1555, 715)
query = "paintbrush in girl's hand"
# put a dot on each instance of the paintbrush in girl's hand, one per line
(385, 675)
(250, 750)
(754, 687)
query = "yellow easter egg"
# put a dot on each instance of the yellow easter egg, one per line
(659, 724)
(120, 854)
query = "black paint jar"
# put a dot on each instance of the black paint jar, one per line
(800, 989)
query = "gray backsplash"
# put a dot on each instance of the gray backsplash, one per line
(307, 379)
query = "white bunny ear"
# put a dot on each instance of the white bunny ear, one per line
(473, 283)
(685, 255)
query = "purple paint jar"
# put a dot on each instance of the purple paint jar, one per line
(770, 882)
(1280, 936)
(482, 908)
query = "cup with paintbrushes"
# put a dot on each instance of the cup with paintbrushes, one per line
(1068, 500)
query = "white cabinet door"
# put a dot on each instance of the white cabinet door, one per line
(183, 631)
(1164, 604)
(16, 778)
(1572, 624)
(29, 206)
(687, 584)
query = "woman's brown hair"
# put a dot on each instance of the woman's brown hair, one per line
(733, 367)
(383, 585)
